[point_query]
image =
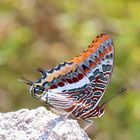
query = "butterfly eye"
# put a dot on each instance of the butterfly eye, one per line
(38, 89)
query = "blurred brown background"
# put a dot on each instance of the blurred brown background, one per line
(43, 33)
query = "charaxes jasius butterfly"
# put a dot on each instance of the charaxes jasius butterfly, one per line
(76, 87)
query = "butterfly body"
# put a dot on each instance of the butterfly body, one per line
(77, 86)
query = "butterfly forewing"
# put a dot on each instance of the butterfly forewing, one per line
(97, 65)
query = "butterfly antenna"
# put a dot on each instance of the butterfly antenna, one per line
(28, 82)
(121, 91)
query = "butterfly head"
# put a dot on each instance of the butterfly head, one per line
(37, 90)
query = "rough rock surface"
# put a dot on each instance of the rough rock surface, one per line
(38, 124)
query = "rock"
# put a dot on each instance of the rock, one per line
(38, 124)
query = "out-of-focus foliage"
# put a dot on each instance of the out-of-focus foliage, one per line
(43, 33)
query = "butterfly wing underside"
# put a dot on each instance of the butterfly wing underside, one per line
(84, 79)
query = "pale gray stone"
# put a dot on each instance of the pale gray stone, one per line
(38, 124)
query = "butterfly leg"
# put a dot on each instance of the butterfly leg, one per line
(77, 107)
(90, 122)
(69, 113)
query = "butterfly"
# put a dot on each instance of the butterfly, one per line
(76, 87)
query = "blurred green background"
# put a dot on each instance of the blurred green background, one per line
(43, 33)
